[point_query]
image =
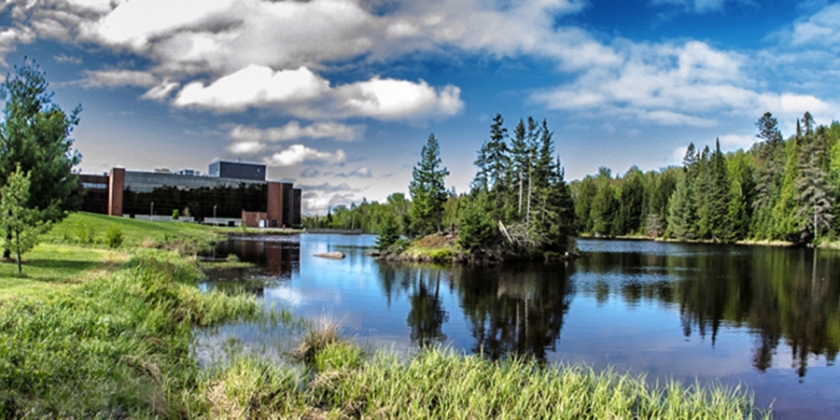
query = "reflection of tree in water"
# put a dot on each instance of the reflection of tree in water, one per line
(515, 309)
(778, 293)
(426, 316)
(422, 286)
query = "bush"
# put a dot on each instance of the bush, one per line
(114, 236)
(84, 234)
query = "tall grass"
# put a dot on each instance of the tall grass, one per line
(442, 384)
(110, 347)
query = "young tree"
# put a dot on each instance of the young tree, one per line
(427, 188)
(23, 223)
(389, 232)
(35, 135)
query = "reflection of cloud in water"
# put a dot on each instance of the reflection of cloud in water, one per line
(285, 295)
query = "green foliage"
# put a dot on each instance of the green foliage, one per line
(477, 229)
(35, 136)
(23, 224)
(113, 236)
(112, 347)
(389, 233)
(428, 191)
(176, 214)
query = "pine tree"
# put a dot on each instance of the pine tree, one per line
(680, 214)
(719, 197)
(520, 153)
(814, 203)
(769, 156)
(427, 189)
(24, 223)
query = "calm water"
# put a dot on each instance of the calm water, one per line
(768, 318)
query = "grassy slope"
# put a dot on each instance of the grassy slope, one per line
(72, 229)
(73, 251)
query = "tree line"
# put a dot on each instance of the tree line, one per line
(780, 189)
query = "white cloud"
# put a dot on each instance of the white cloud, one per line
(303, 93)
(66, 59)
(298, 153)
(246, 148)
(9, 38)
(293, 130)
(691, 84)
(390, 99)
(821, 28)
(110, 78)
(161, 91)
(253, 86)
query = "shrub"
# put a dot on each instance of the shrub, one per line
(114, 236)
(84, 234)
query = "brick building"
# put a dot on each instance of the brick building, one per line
(233, 193)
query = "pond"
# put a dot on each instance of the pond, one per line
(764, 317)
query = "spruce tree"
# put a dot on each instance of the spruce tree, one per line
(428, 190)
(719, 196)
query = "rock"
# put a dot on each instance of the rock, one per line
(331, 255)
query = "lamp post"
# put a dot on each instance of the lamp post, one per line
(152, 211)
(214, 215)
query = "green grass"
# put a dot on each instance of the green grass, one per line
(110, 347)
(439, 384)
(51, 267)
(89, 229)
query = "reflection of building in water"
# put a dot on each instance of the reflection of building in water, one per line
(282, 259)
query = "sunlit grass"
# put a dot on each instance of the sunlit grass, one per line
(89, 229)
(49, 267)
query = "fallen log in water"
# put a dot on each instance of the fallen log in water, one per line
(331, 255)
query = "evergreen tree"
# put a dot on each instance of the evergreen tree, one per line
(476, 229)
(520, 152)
(680, 222)
(631, 202)
(587, 189)
(389, 233)
(23, 223)
(427, 189)
(769, 156)
(604, 209)
(814, 203)
(719, 197)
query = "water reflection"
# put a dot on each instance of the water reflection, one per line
(759, 316)
(779, 294)
(515, 309)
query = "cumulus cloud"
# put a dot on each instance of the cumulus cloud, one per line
(293, 130)
(161, 91)
(303, 93)
(253, 86)
(246, 148)
(822, 28)
(298, 153)
(390, 99)
(10, 38)
(112, 78)
(668, 84)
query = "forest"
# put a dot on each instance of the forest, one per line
(781, 189)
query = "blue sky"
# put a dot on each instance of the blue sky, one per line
(339, 96)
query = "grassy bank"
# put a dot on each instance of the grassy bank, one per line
(440, 384)
(108, 334)
(90, 229)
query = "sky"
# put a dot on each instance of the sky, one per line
(339, 96)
